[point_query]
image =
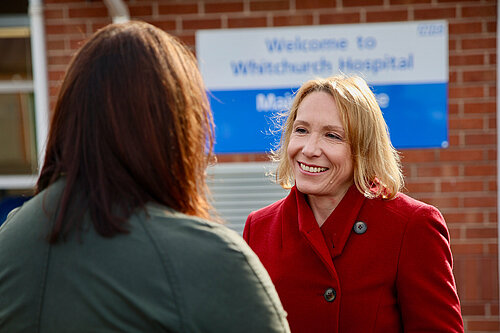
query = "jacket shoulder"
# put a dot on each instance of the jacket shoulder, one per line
(405, 207)
(198, 252)
(274, 209)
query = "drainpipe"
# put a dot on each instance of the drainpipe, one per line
(40, 81)
(117, 10)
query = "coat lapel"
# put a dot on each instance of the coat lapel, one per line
(311, 231)
(338, 226)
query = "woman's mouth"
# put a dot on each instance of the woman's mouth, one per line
(312, 169)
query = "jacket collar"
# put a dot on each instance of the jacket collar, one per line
(336, 228)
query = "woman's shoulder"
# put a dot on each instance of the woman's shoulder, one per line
(405, 206)
(196, 252)
(174, 230)
(269, 211)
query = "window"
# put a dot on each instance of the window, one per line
(18, 142)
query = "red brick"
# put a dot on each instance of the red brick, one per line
(479, 75)
(473, 310)
(88, 12)
(480, 107)
(492, 155)
(188, 39)
(53, 14)
(492, 59)
(493, 249)
(491, 325)
(434, 13)
(440, 202)
(99, 25)
(223, 7)
(54, 90)
(485, 201)
(76, 43)
(224, 158)
(454, 233)
(480, 170)
(285, 20)
(59, 60)
(491, 26)
(452, 44)
(60, 1)
(453, 1)
(269, 5)
(420, 187)
(201, 24)
(140, 10)
(408, 2)
(453, 140)
(460, 28)
(461, 186)
(387, 16)
(362, 3)
(56, 45)
(479, 11)
(479, 43)
(418, 155)
(66, 29)
(492, 123)
(166, 25)
(174, 9)
(476, 248)
(467, 216)
(466, 59)
(466, 92)
(466, 123)
(339, 18)
(460, 155)
(480, 139)
(438, 171)
(453, 108)
(453, 77)
(244, 22)
(56, 75)
(492, 91)
(314, 4)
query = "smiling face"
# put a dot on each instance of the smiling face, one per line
(319, 154)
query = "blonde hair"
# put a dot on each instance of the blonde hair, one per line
(377, 166)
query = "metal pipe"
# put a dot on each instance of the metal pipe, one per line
(118, 10)
(40, 81)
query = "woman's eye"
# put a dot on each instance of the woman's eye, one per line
(300, 130)
(334, 136)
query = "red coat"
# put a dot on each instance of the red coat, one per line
(395, 277)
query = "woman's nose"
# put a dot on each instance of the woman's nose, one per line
(311, 147)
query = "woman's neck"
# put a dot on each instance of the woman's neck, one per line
(323, 206)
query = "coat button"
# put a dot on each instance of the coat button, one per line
(330, 295)
(360, 227)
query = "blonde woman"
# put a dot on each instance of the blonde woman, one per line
(345, 249)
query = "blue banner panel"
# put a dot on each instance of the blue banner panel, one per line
(245, 120)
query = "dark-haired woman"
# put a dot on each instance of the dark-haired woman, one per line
(117, 238)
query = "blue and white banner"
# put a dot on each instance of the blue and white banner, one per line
(251, 75)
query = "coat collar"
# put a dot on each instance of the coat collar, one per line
(336, 228)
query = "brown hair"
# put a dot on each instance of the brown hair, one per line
(131, 125)
(377, 167)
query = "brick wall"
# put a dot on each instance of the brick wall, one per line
(460, 180)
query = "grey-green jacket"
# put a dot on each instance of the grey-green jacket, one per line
(171, 273)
